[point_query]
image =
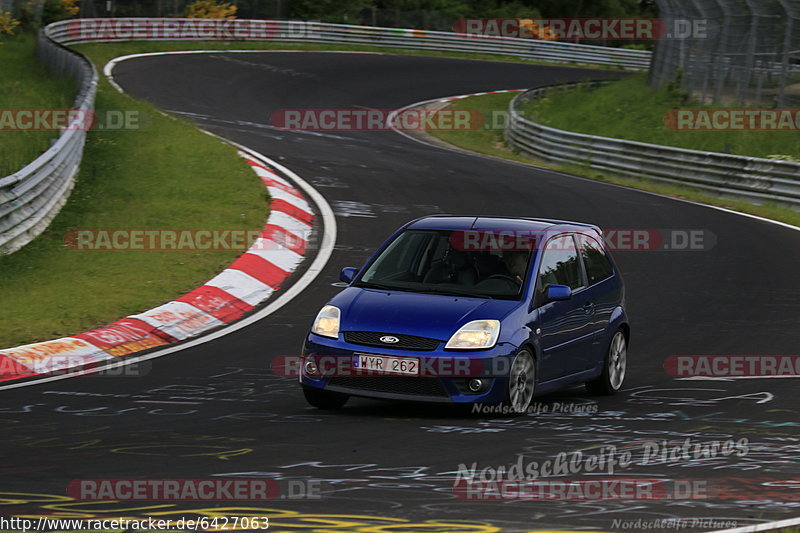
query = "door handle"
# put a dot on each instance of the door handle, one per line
(587, 307)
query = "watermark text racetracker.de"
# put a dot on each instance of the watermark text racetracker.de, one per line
(185, 239)
(210, 489)
(416, 119)
(73, 119)
(70, 365)
(582, 29)
(624, 488)
(368, 365)
(595, 488)
(732, 119)
(732, 366)
(113, 29)
(615, 239)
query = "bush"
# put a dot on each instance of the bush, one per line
(209, 9)
(7, 23)
(32, 15)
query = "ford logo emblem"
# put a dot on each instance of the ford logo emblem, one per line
(388, 339)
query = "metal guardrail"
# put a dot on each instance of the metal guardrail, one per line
(752, 178)
(127, 29)
(31, 197)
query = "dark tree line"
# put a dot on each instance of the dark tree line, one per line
(390, 12)
(418, 14)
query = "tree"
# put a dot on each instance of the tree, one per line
(55, 10)
(7, 23)
(33, 14)
(209, 9)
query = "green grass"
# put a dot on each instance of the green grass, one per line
(25, 84)
(167, 175)
(490, 142)
(630, 109)
(487, 140)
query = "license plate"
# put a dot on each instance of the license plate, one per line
(387, 364)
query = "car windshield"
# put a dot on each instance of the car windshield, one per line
(445, 262)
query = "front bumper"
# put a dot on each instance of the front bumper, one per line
(444, 374)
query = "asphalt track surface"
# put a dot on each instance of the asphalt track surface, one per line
(218, 410)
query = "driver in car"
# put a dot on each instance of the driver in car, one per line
(517, 263)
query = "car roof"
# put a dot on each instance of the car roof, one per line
(482, 223)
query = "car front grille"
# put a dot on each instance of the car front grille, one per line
(405, 342)
(394, 384)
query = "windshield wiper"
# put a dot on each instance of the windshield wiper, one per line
(426, 290)
(446, 292)
(379, 286)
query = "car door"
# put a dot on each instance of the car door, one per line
(564, 325)
(602, 291)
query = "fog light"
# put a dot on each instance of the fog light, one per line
(475, 385)
(310, 367)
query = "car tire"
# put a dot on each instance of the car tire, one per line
(614, 367)
(322, 399)
(521, 382)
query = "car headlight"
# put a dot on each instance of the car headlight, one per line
(327, 322)
(475, 335)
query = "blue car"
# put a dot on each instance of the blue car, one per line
(466, 310)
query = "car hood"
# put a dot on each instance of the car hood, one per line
(424, 315)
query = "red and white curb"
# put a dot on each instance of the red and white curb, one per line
(247, 282)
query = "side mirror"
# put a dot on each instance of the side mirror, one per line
(348, 274)
(558, 292)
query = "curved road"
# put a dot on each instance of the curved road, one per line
(217, 409)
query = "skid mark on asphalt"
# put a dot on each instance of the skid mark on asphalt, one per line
(244, 390)
(328, 182)
(285, 71)
(98, 441)
(349, 208)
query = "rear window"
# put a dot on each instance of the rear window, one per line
(598, 266)
(560, 264)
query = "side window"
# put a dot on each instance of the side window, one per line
(598, 267)
(560, 264)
